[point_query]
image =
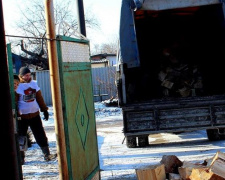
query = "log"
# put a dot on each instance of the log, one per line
(153, 172)
(217, 165)
(171, 163)
(203, 174)
(186, 170)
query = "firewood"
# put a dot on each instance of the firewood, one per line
(203, 174)
(217, 165)
(186, 170)
(171, 163)
(152, 172)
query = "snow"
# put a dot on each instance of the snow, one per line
(116, 160)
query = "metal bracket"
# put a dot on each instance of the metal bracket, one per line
(67, 30)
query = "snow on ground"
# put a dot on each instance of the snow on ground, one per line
(116, 160)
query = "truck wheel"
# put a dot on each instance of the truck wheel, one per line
(131, 141)
(213, 134)
(143, 141)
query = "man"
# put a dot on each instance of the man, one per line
(29, 101)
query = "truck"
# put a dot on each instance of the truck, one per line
(170, 68)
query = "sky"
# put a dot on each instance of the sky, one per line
(115, 159)
(107, 14)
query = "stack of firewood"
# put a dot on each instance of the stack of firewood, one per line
(171, 168)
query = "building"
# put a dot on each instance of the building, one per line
(103, 60)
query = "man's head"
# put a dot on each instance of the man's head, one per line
(25, 74)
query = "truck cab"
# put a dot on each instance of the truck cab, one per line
(170, 67)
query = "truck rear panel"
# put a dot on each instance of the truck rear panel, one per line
(174, 116)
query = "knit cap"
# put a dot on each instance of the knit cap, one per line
(24, 70)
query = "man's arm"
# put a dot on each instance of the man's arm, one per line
(41, 102)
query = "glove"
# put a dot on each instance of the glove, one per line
(46, 115)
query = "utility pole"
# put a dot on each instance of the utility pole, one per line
(81, 19)
(55, 89)
(10, 167)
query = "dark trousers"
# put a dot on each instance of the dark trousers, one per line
(36, 127)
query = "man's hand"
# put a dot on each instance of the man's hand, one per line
(46, 115)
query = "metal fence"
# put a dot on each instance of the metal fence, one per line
(104, 83)
(103, 80)
(43, 80)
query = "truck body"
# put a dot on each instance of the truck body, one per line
(153, 100)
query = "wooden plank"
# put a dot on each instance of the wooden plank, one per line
(152, 172)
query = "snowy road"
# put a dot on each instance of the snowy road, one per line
(116, 160)
(119, 162)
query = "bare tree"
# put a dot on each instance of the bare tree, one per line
(110, 47)
(33, 25)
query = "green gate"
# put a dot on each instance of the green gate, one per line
(78, 108)
(11, 79)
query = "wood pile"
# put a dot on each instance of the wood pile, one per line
(171, 168)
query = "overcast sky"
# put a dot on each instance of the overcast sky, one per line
(106, 13)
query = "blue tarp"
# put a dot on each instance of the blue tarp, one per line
(129, 54)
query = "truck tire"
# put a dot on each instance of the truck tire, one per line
(143, 141)
(213, 134)
(131, 141)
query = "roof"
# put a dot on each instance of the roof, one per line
(101, 56)
(99, 61)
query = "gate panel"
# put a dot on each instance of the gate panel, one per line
(78, 108)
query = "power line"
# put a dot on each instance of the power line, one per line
(28, 37)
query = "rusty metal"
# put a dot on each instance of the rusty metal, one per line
(55, 88)
(10, 167)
